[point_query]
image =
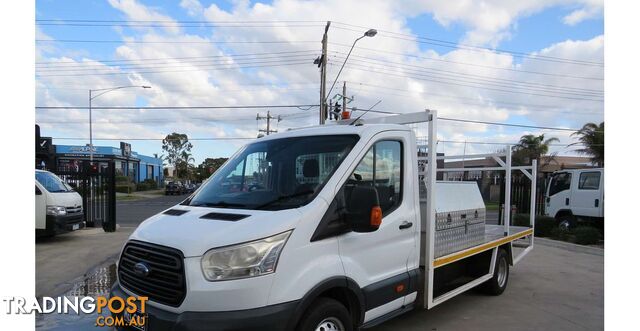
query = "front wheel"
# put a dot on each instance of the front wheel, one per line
(326, 314)
(566, 222)
(498, 283)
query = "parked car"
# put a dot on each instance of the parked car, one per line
(574, 195)
(174, 188)
(190, 188)
(58, 207)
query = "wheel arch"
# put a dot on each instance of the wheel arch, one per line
(343, 289)
(507, 247)
(563, 212)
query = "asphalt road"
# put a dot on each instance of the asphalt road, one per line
(558, 286)
(131, 213)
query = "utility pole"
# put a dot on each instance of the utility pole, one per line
(344, 96)
(268, 118)
(323, 75)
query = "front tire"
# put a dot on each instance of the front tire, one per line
(498, 283)
(326, 314)
(566, 222)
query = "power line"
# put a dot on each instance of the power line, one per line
(232, 67)
(177, 21)
(168, 59)
(463, 74)
(199, 63)
(181, 25)
(490, 103)
(297, 23)
(175, 41)
(480, 85)
(455, 45)
(482, 82)
(466, 63)
(507, 124)
(178, 107)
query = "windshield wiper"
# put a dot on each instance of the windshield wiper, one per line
(284, 197)
(219, 204)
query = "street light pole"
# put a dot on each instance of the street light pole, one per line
(91, 97)
(369, 33)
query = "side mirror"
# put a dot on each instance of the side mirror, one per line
(363, 209)
(38, 192)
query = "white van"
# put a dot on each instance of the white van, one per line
(322, 228)
(58, 206)
(576, 194)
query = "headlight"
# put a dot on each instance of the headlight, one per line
(250, 259)
(56, 210)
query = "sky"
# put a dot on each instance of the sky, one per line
(536, 63)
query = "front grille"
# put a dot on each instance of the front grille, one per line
(164, 283)
(74, 210)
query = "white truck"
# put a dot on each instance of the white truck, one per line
(335, 227)
(575, 194)
(58, 206)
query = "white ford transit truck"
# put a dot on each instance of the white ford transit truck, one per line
(336, 227)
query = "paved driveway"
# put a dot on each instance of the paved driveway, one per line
(553, 288)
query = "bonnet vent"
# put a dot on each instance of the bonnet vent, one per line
(224, 217)
(175, 212)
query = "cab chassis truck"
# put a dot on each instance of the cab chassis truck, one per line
(239, 254)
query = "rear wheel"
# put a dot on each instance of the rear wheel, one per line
(326, 314)
(498, 283)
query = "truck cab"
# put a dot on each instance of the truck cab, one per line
(58, 207)
(576, 194)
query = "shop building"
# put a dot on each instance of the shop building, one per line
(136, 166)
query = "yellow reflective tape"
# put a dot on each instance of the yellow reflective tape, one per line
(479, 249)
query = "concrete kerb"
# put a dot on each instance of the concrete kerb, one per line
(570, 247)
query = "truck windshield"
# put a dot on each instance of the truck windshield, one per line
(52, 183)
(275, 174)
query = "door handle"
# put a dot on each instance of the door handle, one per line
(566, 201)
(405, 225)
(597, 202)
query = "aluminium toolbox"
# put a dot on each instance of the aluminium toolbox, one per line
(460, 217)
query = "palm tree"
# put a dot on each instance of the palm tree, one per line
(591, 136)
(185, 161)
(531, 147)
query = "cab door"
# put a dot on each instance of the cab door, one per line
(559, 193)
(378, 260)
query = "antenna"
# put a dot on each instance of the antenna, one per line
(366, 111)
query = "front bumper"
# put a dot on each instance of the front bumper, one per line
(66, 223)
(274, 317)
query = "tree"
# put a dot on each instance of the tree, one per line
(173, 146)
(591, 137)
(531, 147)
(185, 165)
(209, 166)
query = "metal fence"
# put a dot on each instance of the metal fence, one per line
(96, 184)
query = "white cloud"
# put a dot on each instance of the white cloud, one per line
(490, 22)
(193, 7)
(425, 80)
(592, 10)
(138, 12)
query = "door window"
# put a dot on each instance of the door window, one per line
(560, 182)
(589, 181)
(381, 167)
